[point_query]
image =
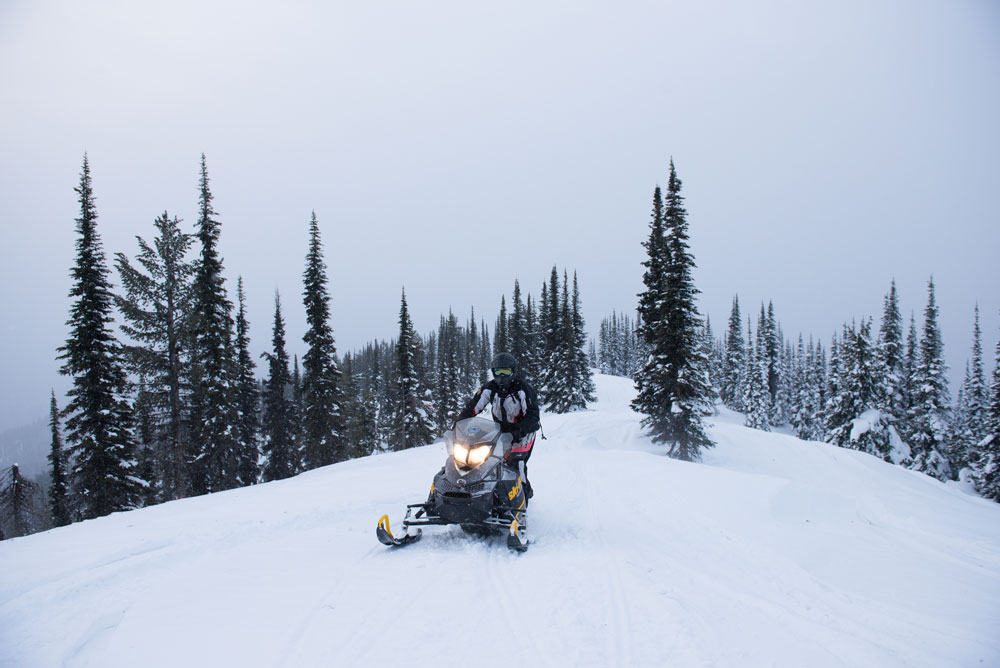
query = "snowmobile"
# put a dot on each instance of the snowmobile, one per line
(480, 488)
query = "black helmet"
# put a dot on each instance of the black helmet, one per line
(504, 368)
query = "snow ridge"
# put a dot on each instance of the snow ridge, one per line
(771, 552)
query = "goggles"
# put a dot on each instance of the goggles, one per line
(502, 372)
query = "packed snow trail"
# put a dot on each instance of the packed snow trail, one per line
(773, 552)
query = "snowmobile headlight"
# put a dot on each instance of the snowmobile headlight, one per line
(478, 455)
(467, 457)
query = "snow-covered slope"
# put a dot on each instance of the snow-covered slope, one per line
(773, 552)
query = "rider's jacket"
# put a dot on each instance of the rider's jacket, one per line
(517, 405)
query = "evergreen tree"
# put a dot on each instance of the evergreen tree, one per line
(756, 404)
(517, 328)
(856, 420)
(19, 496)
(59, 489)
(214, 448)
(322, 423)
(986, 472)
(104, 477)
(892, 356)
(929, 413)
(501, 337)
(970, 426)
(772, 351)
(585, 391)
(673, 387)
(449, 394)
(412, 420)
(280, 423)
(247, 398)
(529, 365)
(156, 308)
(735, 361)
(908, 390)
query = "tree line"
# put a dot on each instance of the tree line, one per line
(881, 389)
(174, 407)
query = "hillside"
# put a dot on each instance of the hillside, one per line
(772, 552)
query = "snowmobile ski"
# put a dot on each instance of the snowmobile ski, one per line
(516, 540)
(384, 533)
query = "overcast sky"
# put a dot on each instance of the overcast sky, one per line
(825, 148)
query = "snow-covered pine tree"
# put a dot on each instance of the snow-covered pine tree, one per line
(929, 414)
(768, 333)
(862, 424)
(516, 326)
(449, 393)
(755, 401)
(731, 390)
(908, 389)
(712, 369)
(584, 382)
(19, 499)
(564, 378)
(891, 356)
(673, 386)
(280, 419)
(104, 478)
(986, 473)
(550, 382)
(970, 425)
(529, 365)
(156, 308)
(501, 336)
(412, 420)
(247, 398)
(322, 423)
(59, 489)
(214, 448)
(485, 352)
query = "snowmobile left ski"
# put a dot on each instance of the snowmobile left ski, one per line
(480, 488)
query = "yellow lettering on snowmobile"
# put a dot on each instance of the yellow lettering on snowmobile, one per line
(432, 488)
(515, 490)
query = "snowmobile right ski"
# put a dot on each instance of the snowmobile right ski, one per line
(385, 536)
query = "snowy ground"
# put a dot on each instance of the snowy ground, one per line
(773, 552)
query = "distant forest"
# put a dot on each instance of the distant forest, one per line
(174, 405)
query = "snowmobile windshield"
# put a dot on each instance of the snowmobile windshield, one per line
(476, 431)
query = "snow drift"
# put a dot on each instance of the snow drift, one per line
(772, 552)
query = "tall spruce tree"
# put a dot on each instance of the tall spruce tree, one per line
(970, 426)
(501, 336)
(585, 389)
(104, 477)
(322, 423)
(735, 360)
(59, 489)
(247, 397)
(156, 307)
(280, 421)
(986, 473)
(756, 403)
(929, 413)
(891, 356)
(673, 386)
(214, 447)
(412, 420)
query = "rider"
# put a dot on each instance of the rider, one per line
(515, 406)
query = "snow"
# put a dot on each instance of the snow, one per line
(771, 552)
